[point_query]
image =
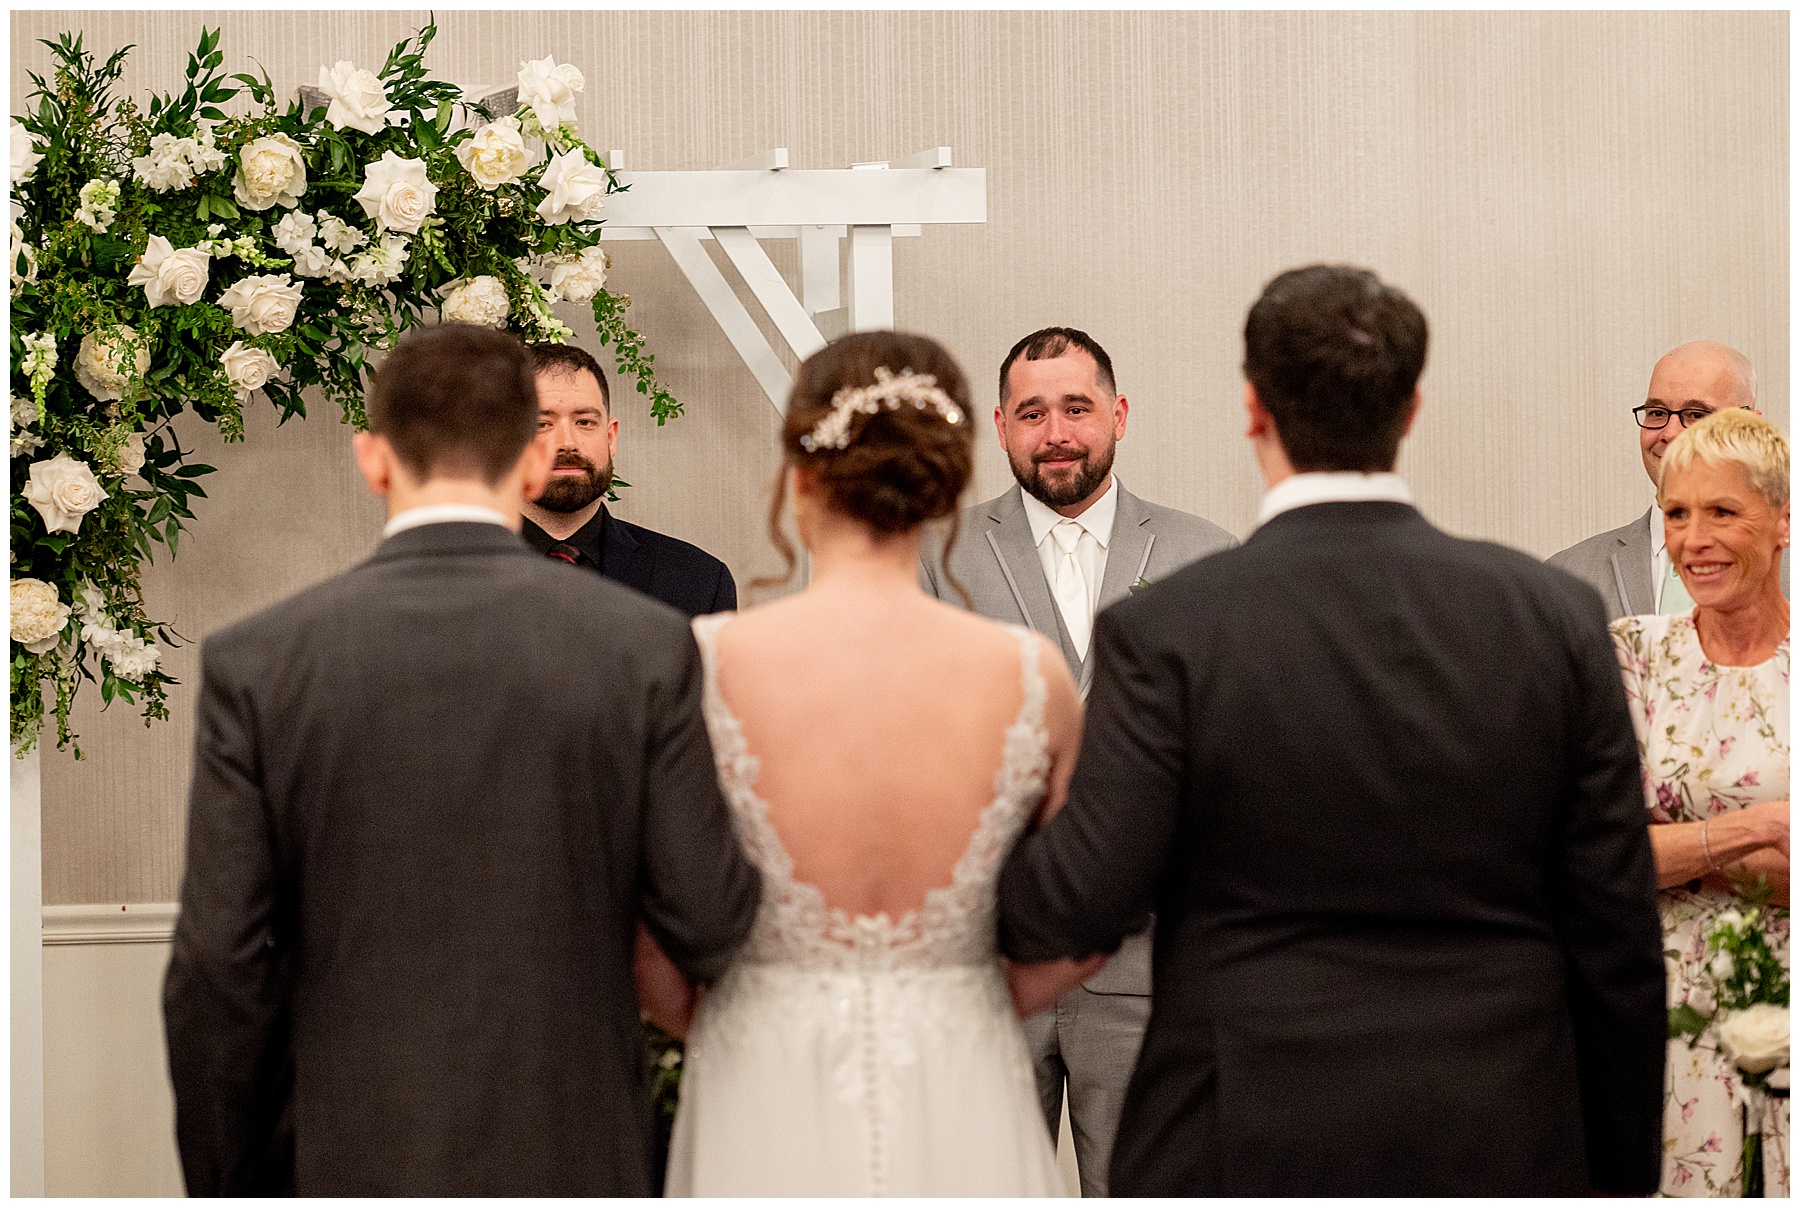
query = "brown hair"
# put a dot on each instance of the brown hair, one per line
(900, 468)
(456, 400)
(571, 360)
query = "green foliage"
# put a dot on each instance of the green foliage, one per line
(71, 285)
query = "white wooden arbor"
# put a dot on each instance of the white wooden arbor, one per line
(842, 288)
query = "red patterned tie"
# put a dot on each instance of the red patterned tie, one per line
(565, 552)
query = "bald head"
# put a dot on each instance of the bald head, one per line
(1702, 374)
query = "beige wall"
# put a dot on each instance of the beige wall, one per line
(1566, 195)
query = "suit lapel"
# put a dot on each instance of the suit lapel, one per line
(1632, 564)
(1125, 553)
(1010, 540)
(623, 558)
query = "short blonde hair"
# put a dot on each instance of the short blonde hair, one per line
(1740, 436)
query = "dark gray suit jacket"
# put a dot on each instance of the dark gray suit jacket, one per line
(431, 798)
(1381, 788)
(997, 564)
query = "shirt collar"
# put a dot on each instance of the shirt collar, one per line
(1097, 519)
(590, 538)
(1331, 486)
(443, 513)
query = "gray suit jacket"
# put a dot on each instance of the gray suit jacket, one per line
(418, 848)
(1617, 564)
(997, 564)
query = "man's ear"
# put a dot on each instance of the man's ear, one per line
(1412, 411)
(375, 458)
(1261, 422)
(534, 468)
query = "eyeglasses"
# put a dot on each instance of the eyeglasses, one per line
(1651, 417)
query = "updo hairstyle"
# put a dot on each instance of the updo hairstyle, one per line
(899, 467)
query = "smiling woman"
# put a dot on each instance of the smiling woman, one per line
(1709, 699)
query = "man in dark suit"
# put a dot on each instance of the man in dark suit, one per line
(418, 848)
(570, 520)
(1380, 787)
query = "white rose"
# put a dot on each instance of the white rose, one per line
(131, 454)
(397, 194)
(481, 300)
(25, 155)
(496, 155)
(247, 368)
(271, 171)
(38, 615)
(63, 490)
(358, 101)
(578, 280)
(1756, 1038)
(99, 362)
(549, 88)
(573, 188)
(295, 231)
(263, 304)
(170, 277)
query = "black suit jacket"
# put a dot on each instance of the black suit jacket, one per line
(417, 851)
(1381, 788)
(683, 576)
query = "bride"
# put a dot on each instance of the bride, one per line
(881, 752)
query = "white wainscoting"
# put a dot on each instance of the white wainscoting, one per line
(109, 1113)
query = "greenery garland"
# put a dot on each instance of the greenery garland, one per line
(176, 258)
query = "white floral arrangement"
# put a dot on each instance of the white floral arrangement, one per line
(174, 257)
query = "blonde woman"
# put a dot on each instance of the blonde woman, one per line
(1709, 698)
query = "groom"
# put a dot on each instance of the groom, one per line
(1380, 786)
(1066, 541)
(418, 847)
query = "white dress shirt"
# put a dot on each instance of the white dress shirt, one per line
(1659, 558)
(1096, 525)
(1331, 486)
(443, 513)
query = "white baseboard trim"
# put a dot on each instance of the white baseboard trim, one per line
(131, 923)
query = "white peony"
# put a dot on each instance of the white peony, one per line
(170, 277)
(578, 280)
(100, 362)
(1756, 1038)
(247, 368)
(549, 88)
(397, 194)
(63, 490)
(131, 454)
(481, 300)
(263, 304)
(25, 155)
(358, 101)
(339, 235)
(38, 615)
(271, 171)
(573, 188)
(295, 231)
(496, 155)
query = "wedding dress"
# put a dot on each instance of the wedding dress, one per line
(865, 1055)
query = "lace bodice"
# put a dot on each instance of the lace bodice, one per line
(954, 926)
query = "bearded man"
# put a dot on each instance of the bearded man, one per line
(570, 521)
(1066, 541)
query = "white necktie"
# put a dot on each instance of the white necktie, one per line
(1071, 585)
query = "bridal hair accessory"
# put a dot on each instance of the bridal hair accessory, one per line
(890, 390)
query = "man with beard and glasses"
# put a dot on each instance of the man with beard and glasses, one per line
(570, 521)
(1065, 542)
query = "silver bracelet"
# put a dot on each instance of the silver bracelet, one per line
(1705, 847)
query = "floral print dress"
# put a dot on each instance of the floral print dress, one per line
(1711, 739)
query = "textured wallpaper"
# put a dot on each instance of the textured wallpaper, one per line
(1566, 196)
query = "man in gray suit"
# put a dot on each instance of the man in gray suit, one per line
(1629, 566)
(432, 798)
(1065, 542)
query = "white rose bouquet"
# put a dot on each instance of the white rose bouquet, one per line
(171, 257)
